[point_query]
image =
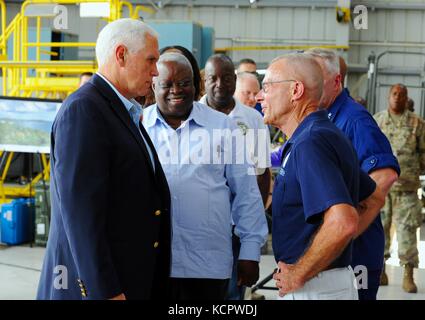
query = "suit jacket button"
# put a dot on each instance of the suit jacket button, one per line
(156, 244)
(157, 212)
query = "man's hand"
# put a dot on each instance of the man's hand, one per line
(248, 272)
(287, 279)
(119, 297)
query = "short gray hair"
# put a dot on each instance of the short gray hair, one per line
(175, 57)
(128, 32)
(244, 75)
(330, 58)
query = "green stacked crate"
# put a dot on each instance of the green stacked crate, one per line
(42, 213)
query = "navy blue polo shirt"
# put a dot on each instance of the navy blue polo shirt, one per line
(374, 152)
(319, 169)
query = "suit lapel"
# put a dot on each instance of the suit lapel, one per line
(159, 173)
(119, 109)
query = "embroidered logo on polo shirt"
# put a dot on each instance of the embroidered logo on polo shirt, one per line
(244, 128)
(282, 169)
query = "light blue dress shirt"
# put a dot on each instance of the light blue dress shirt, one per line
(206, 195)
(135, 110)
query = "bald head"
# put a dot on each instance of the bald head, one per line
(247, 87)
(221, 60)
(220, 81)
(292, 88)
(302, 68)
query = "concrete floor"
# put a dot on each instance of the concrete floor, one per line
(20, 271)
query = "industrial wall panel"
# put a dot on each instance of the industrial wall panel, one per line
(317, 24)
(395, 30)
(301, 24)
(232, 25)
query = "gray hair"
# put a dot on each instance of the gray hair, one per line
(244, 75)
(128, 32)
(330, 58)
(175, 57)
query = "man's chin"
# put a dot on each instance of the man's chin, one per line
(221, 100)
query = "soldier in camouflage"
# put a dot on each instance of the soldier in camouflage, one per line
(406, 133)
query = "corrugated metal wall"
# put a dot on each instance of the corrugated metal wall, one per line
(281, 26)
(243, 26)
(395, 30)
(269, 26)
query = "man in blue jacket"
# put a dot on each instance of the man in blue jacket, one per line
(110, 229)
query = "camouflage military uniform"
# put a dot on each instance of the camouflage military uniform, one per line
(407, 138)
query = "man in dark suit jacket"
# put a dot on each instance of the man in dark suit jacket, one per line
(110, 231)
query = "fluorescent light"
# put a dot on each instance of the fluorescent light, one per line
(94, 9)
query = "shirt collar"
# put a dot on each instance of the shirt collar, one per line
(337, 104)
(127, 103)
(197, 115)
(238, 104)
(403, 116)
(312, 117)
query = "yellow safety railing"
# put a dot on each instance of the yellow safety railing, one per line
(2, 38)
(16, 191)
(35, 77)
(24, 77)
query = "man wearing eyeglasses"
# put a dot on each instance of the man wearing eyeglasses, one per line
(375, 157)
(207, 188)
(317, 190)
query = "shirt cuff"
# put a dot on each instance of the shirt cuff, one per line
(250, 251)
(380, 161)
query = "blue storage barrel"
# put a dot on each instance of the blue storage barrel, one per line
(17, 221)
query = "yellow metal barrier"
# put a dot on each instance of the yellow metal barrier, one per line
(17, 79)
(8, 192)
(49, 79)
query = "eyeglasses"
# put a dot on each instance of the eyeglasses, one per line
(266, 85)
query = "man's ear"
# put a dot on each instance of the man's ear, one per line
(338, 81)
(121, 55)
(297, 90)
